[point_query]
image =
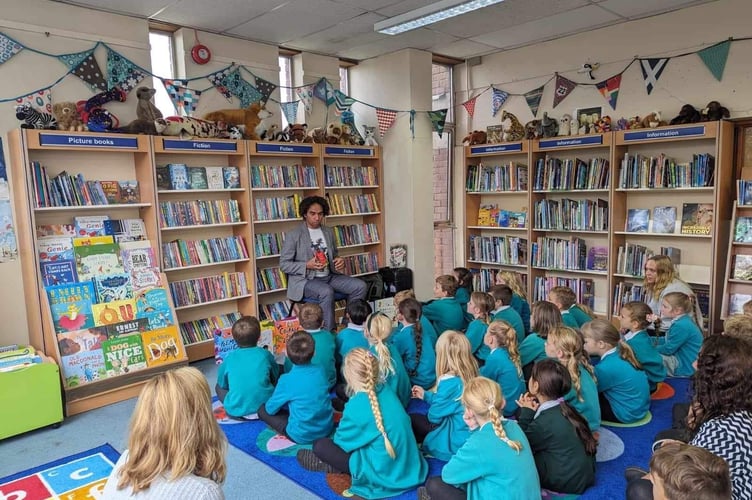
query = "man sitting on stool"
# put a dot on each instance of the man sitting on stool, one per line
(314, 270)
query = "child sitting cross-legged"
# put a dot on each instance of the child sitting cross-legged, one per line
(634, 322)
(311, 318)
(246, 377)
(445, 312)
(414, 345)
(503, 364)
(300, 407)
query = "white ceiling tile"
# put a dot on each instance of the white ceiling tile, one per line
(398, 8)
(139, 8)
(462, 49)
(641, 8)
(200, 13)
(358, 30)
(422, 38)
(369, 5)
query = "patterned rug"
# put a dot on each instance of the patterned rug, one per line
(77, 477)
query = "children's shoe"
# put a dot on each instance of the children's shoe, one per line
(309, 461)
(423, 493)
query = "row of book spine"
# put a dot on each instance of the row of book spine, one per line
(275, 310)
(744, 192)
(584, 288)
(270, 278)
(631, 258)
(567, 214)
(198, 212)
(496, 178)
(209, 288)
(559, 253)
(350, 176)
(498, 249)
(627, 292)
(181, 253)
(266, 244)
(557, 174)
(277, 208)
(483, 279)
(203, 329)
(641, 172)
(65, 190)
(283, 176)
(342, 204)
(355, 234)
(361, 263)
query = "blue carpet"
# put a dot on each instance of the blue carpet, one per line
(619, 448)
(69, 477)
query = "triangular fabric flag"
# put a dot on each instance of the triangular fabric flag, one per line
(469, 105)
(73, 60)
(265, 87)
(40, 100)
(324, 91)
(131, 81)
(86, 67)
(438, 120)
(173, 91)
(119, 69)
(290, 110)
(342, 102)
(183, 98)
(8, 48)
(498, 98)
(533, 99)
(564, 87)
(247, 93)
(216, 79)
(610, 89)
(306, 96)
(385, 118)
(715, 58)
(651, 71)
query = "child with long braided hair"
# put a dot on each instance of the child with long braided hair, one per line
(567, 345)
(374, 442)
(481, 304)
(496, 459)
(414, 345)
(443, 430)
(392, 370)
(503, 364)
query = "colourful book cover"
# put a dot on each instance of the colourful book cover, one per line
(126, 327)
(88, 339)
(87, 241)
(125, 229)
(83, 367)
(266, 339)
(58, 272)
(113, 287)
(743, 267)
(71, 306)
(129, 191)
(111, 191)
(224, 343)
(144, 278)
(664, 220)
(162, 346)
(123, 355)
(597, 259)
(178, 176)
(232, 177)
(163, 178)
(158, 319)
(638, 220)
(114, 312)
(743, 230)
(197, 178)
(91, 225)
(97, 260)
(283, 329)
(152, 300)
(55, 248)
(736, 303)
(138, 255)
(214, 178)
(68, 230)
(697, 218)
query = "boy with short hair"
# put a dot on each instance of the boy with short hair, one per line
(247, 375)
(300, 407)
(679, 471)
(502, 295)
(352, 336)
(311, 317)
(566, 300)
(445, 312)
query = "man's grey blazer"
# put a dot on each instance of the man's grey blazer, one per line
(296, 251)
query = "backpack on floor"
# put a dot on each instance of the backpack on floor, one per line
(396, 279)
(375, 287)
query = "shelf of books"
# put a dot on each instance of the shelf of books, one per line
(87, 233)
(204, 212)
(671, 196)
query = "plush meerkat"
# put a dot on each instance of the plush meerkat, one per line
(145, 110)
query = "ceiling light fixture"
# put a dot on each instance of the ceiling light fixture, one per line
(437, 11)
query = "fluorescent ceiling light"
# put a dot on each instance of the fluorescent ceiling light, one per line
(437, 11)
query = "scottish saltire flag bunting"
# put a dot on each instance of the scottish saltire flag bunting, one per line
(386, 118)
(306, 96)
(342, 102)
(265, 87)
(715, 58)
(651, 71)
(533, 99)
(119, 69)
(216, 79)
(8, 48)
(132, 80)
(564, 87)
(86, 67)
(247, 93)
(610, 89)
(324, 91)
(290, 110)
(40, 100)
(469, 105)
(498, 98)
(438, 119)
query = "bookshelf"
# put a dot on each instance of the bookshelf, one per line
(114, 157)
(205, 234)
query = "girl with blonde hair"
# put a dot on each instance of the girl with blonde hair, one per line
(175, 447)
(443, 430)
(373, 443)
(392, 372)
(545, 317)
(503, 364)
(681, 345)
(519, 298)
(661, 278)
(496, 458)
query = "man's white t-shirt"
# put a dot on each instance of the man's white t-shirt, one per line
(318, 245)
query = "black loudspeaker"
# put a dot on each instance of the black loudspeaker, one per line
(396, 279)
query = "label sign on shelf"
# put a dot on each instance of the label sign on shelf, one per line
(333, 150)
(181, 145)
(496, 148)
(262, 147)
(586, 140)
(89, 141)
(664, 133)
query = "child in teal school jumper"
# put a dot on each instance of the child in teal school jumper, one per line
(545, 316)
(566, 345)
(519, 298)
(634, 321)
(300, 407)
(566, 300)
(352, 336)
(373, 442)
(464, 289)
(502, 295)
(414, 346)
(443, 430)
(311, 318)
(496, 460)
(503, 364)
(391, 368)
(683, 338)
(445, 312)
(624, 394)
(425, 323)
(247, 375)
(481, 304)
(562, 443)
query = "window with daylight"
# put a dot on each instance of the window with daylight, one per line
(443, 231)
(286, 93)
(162, 66)
(344, 80)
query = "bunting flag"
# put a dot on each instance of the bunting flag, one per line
(265, 87)
(342, 102)
(290, 110)
(715, 57)
(438, 119)
(469, 105)
(533, 99)
(386, 119)
(131, 81)
(119, 69)
(86, 67)
(40, 100)
(247, 93)
(216, 79)
(184, 99)
(324, 91)
(8, 48)
(651, 71)
(564, 87)
(498, 98)
(610, 89)
(306, 96)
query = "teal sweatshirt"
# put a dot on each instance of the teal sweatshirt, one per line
(625, 387)
(589, 407)
(348, 339)
(446, 412)
(324, 355)
(683, 341)
(508, 314)
(476, 330)
(648, 356)
(523, 309)
(500, 368)
(422, 371)
(579, 315)
(445, 314)
(532, 349)
(248, 374)
(399, 381)
(569, 320)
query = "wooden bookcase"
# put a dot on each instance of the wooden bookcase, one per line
(206, 153)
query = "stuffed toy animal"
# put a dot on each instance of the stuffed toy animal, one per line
(139, 126)
(348, 138)
(621, 124)
(634, 123)
(603, 125)
(248, 117)
(268, 134)
(67, 117)
(145, 109)
(236, 132)
(298, 132)
(329, 135)
(114, 94)
(370, 135)
(265, 123)
(687, 114)
(565, 124)
(187, 127)
(574, 128)
(548, 127)
(652, 120)
(532, 129)
(714, 111)
(33, 118)
(475, 137)
(515, 131)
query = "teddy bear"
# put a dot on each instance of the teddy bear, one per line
(329, 135)
(250, 117)
(369, 134)
(603, 125)
(475, 137)
(67, 117)
(652, 120)
(687, 114)
(297, 132)
(348, 137)
(145, 109)
(565, 124)
(714, 111)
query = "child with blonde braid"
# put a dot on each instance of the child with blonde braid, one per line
(373, 443)
(481, 304)
(544, 318)
(519, 298)
(443, 430)
(503, 364)
(391, 368)
(414, 346)
(495, 462)
(567, 345)
(683, 338)
(633, 320)
(623, 391)
(425, 323)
